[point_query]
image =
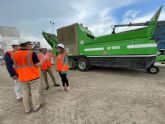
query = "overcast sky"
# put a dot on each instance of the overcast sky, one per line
(32, 17)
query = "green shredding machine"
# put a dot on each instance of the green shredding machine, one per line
(135, 49)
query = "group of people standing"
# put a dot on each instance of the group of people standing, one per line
(24, 66)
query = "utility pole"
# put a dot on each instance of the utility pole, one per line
(52, 23)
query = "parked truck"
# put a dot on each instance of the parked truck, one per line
(128, 49)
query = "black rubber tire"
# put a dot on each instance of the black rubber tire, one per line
(163, 62)
(83, 64)
(72, 64)
(153, 70)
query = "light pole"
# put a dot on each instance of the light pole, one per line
(52, 23)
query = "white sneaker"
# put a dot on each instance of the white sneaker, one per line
(19, 97)
(67, 89)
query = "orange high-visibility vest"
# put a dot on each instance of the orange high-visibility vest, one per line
(47, 64)
(25, 68)
(60, 65)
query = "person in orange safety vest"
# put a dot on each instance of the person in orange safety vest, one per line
(27, 64)
(47, 67)
(62, 66)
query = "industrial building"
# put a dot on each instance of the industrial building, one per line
(7, 34)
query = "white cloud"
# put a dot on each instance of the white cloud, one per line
(140, 19)
(33, 16)
(147, 17)
(97, 15)
(130, 14)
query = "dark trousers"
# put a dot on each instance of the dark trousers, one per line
(64, 79)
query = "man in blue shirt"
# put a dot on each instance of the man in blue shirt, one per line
(9, 65)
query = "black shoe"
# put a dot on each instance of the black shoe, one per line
(56, 85)
(47, 87)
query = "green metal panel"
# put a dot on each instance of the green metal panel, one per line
(153, 22)
(127, 35)
(90, 47)
(135, 42)
(145, 46)
(83, 38)
(109, 49)
(133, 47)
(160, 58)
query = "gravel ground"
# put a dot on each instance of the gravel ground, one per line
(100, 96)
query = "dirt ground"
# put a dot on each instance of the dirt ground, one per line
(100, 96)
